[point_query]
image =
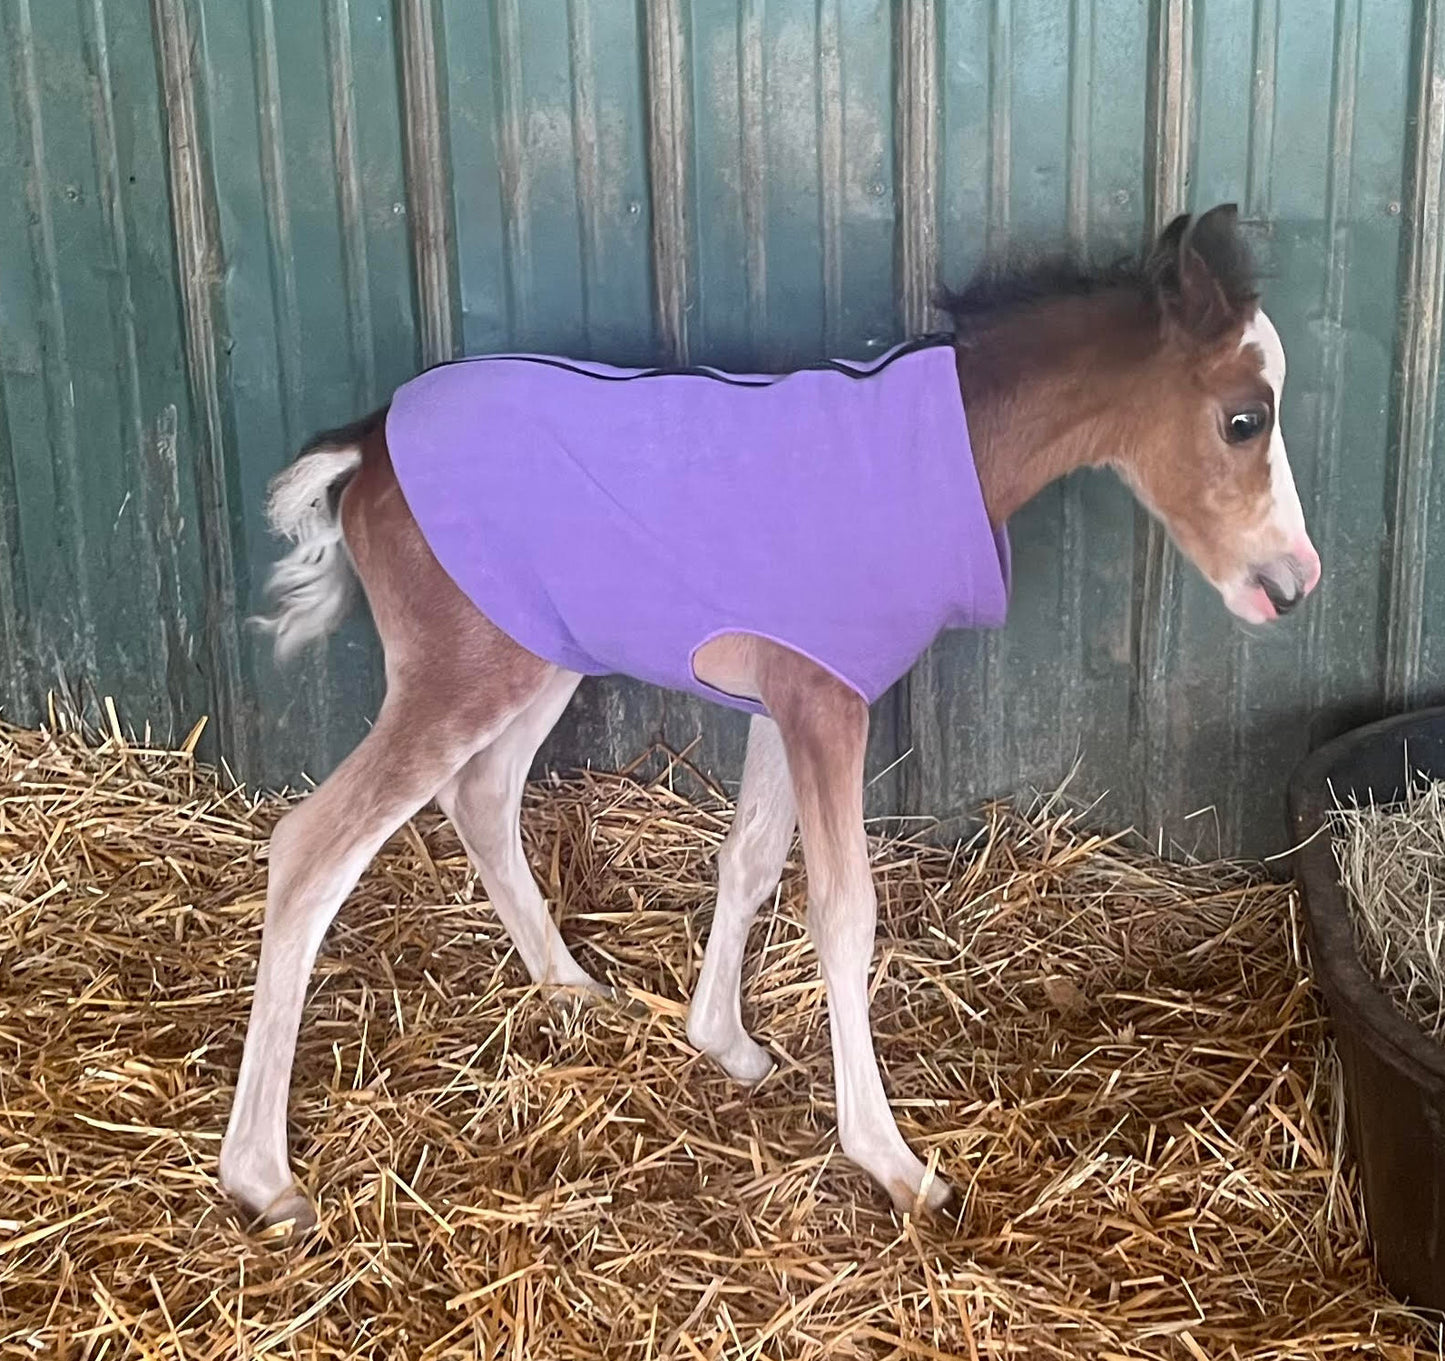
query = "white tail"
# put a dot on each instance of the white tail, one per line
(310, 588)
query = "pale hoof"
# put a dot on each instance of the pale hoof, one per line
(940, 1197)
(744, 1061)
(292, 1207)
(254, 1194)
(895, 1168)
(740, 1057)
(585, 989)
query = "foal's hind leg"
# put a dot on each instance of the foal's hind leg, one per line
(484, 802)
(318, 851)
(750, 864)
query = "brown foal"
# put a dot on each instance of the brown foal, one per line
(1170, 375)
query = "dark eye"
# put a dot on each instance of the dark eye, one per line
(1244, 425)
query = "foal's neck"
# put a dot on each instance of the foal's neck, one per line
(1048, 387)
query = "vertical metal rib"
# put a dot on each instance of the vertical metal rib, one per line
(988, 745)
(1258, 199)
(197, 234)
(163, 624)
(1000, 127)
(1081, 89)
(285, 304)
(916, 114)
(916, 104)
(512, 168)
(1344, 96)
(1171, 98)
(428, 179)
(830, 170)
(278, 220)
(587, 170)
(341, 78)
(1419, 363)
(17, 686)
(58, 377)
(18, 643)
(752, 160)
(1072, 549)
(1257, 194)
(1156, 589)
(667, 149)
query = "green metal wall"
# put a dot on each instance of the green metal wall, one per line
(226, 223)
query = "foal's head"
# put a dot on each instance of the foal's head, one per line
(1170, 374)
(1208, 455)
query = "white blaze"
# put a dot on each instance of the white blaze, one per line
(1284, 527)
(1279, 547)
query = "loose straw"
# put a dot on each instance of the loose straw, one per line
(1116, 1060)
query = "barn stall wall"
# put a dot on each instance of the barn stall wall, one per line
(227, 224)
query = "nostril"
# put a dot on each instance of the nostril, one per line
(1282, 600)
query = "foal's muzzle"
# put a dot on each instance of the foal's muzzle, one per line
(1287, 580)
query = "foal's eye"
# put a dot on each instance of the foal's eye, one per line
(1244, 425)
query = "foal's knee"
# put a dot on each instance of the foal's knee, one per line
(746, 868)
(842, 918)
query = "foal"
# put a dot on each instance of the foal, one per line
(1170, 374)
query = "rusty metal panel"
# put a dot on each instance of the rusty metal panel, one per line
(99, 537)
(225, 224)
(1091, 125)
(1043, 111)
(1315, 174)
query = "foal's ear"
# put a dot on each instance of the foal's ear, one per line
(1162, 265)
(1207, 287)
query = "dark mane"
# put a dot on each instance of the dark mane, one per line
(1001, 286)
(1009, 284)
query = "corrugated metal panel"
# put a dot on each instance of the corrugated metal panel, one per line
(224, 225)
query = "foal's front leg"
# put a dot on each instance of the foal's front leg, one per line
(824, 726)
(750, 864)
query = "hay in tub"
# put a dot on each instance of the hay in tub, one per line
(1391, 859)
(1116, 1060)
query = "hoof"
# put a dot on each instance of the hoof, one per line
(895, 1167)
(740, 1056)
(291, 1208)
(262, 1188)
(586, 990)
(938, 1199)
(744, 1061)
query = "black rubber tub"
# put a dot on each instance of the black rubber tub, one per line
(1394, 1074)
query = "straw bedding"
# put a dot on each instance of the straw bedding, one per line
(1392, 864)
(1118, 1062)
